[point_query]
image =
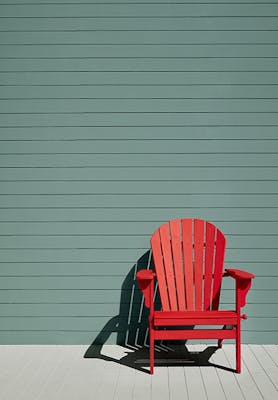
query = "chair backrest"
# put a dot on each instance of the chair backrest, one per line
(188, 257)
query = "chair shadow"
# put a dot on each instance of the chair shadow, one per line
(131, 328)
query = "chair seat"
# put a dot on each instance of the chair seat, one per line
(182, 318)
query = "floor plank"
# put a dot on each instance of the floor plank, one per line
(245, 379)
(212, 383)
(8, 368)
(57, 376)
(142, 386)
(48, 361)
(30, 363)
(262, 380)
(82, 378)
(125, 384)
(272, 350)
(62, 372)
(194, 380)
(266, 363)
(160, 384)
(177, 383)
(13, 361)
(227, 378)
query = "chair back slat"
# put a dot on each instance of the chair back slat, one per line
(188, 256)
(209, 258)
(218, 268)
(198, 261)
(175, 230)
(168, 265)
(160, 271)
(187, 245)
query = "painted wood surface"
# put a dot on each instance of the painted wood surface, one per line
(188, 259)
(115, 118)
(61, 372)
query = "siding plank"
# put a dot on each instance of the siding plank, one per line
(105, 296)
(134, 91)
(142, 78)
(138, 38)
(126, 227)
(137, 64)
(146, 10)
(85, 50)
(140, 119)
(87, 106)
(230, 23)
(136, 160)
(24, 213)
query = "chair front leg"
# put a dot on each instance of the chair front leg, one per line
(146, 284)
(243, 284)
(151, 346)
(238, 348)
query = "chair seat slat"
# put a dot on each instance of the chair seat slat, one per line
(177, 318)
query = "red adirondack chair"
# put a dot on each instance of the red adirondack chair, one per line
(188, 257)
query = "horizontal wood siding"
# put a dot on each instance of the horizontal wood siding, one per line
(115, 117)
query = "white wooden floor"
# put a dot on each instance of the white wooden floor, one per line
(62, 372)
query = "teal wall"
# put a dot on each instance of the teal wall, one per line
(116, 117)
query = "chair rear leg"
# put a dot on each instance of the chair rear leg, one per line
(238, 351)
(151, 350)
(220, 341)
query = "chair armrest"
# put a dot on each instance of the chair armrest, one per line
(145, 278)
(145, 274)
(239, 274)
(243, 284)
